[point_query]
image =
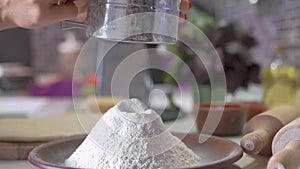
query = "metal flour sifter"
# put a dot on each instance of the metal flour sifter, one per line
(136, 21)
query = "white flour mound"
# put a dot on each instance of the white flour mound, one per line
(130, 136)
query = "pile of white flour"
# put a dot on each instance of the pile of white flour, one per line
(131, 136)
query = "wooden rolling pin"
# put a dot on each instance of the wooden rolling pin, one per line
(286, 147)
(261, 129)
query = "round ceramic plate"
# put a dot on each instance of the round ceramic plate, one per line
(215, 153)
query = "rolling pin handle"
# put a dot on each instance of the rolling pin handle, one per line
(253, 142)
(288, 158)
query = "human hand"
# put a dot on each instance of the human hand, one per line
(33, 13)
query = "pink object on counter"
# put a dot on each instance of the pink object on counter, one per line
(59, 88)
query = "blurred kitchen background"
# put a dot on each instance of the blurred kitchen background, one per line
(257, 41)
(244, 32)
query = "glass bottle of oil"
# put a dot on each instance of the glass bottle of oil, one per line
(280, 81)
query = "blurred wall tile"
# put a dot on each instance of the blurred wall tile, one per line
(14, 46)
(44, 43)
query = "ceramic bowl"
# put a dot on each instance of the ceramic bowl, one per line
(215, 153)
(231, 123)
(254, 108)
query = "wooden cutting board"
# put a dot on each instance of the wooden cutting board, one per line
(16, 151)
(18, 136)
